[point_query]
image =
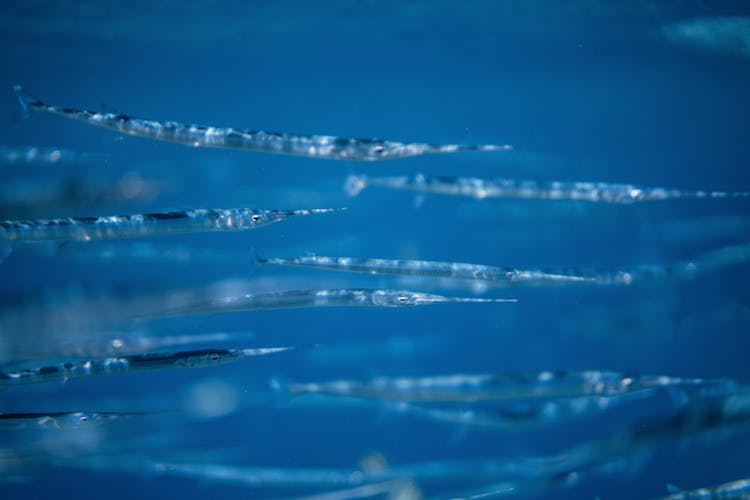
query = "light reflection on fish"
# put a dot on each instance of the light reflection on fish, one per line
(312, 146)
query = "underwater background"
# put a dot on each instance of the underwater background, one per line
(645, 93)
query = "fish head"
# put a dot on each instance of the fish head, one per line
(257, 218)
(405, 298)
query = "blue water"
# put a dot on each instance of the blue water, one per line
(592, 92)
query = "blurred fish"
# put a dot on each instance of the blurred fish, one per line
(29, 197)
(61, 420)
(37, 155)
(503, 386)
(734, 490)
(313, 146)
(294, 299)
(110, 344)
(598, 192)
(139, 225)
(457, 270)
(545, 473)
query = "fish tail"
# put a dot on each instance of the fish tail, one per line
(5, 251)
(26, 101)
(257, 261)
(355, 184)
(281, 390)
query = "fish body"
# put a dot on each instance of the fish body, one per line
(735, 490)
(295, 299)
(140, 225)
(200, 358)
(597, 192)
(504, 386)
(60, 420)
(436, 269)
(312, 146)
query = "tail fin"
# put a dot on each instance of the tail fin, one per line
(280, 393)
(25, 100)
(5, 251)
(257, 261)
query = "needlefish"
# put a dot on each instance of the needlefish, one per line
(297, 299)
(126, 364)
(504, 386)
(435, 269)
(312, 146)
(598, 192)
(37, 155)
(61, 420)
(734, 490)
(138, 225)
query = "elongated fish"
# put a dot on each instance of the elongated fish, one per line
(45, 155)
(734, 490)
(511, 417)
(125, 364)
(138, 225)
(102, 344)
(458, 270)
(296, 299)
(61, 420)
(312, 146)
(504, 386)
(598, 192)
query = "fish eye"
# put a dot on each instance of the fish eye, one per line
(214, 357)
(378, 149)
(509, 274)
(83, 418)
(255, 218)
(402, 299)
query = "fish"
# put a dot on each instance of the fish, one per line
(139, 225)
(535, 474)
(502, 386)
(436, 269)
(311, 146)
(596, 192)
(514, 417)
(199, 358)
(61, 420)
(296, 299)
(733, 490)
(32, 196)
(139, 342)
(37, 155)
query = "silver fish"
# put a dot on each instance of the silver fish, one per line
(504, 386)
(138, 225)
(61, 420)
(45, 155)
(295, 299)
(514, 417)
(734, 490)
(598, 192)
(125, 364)
(312, 146)
(436, 269)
